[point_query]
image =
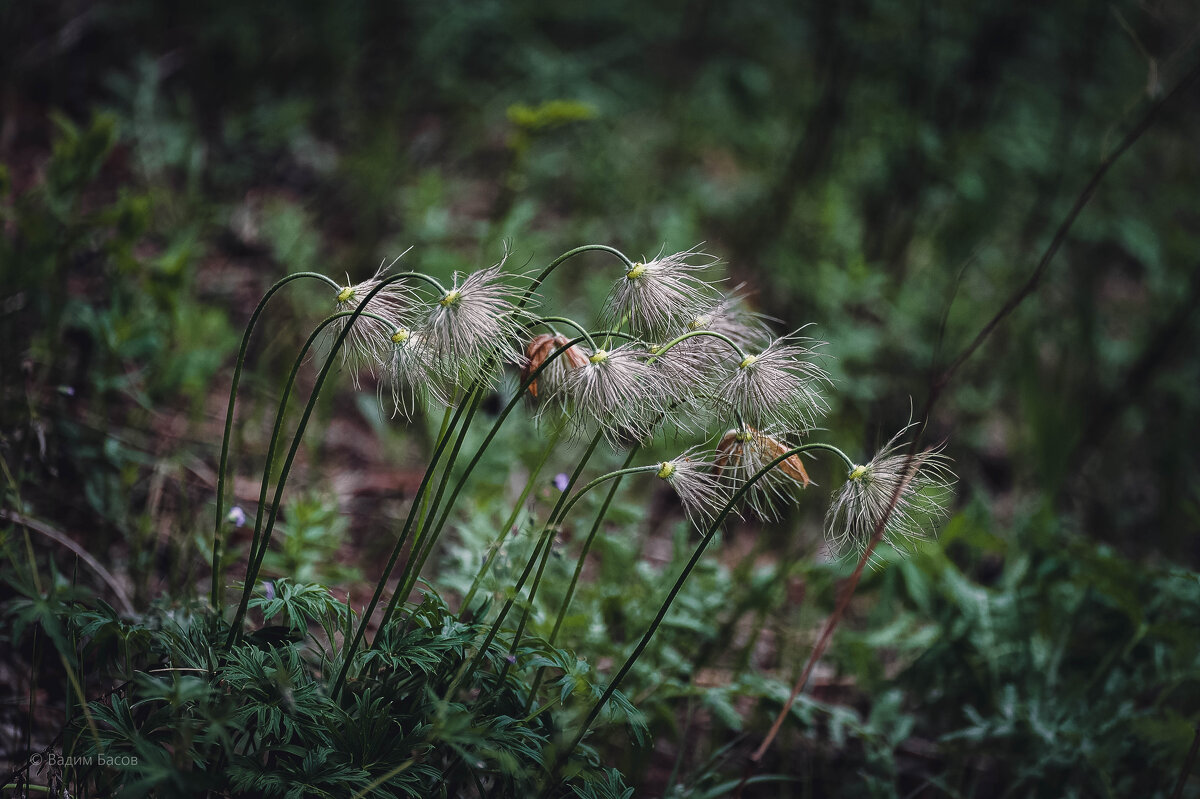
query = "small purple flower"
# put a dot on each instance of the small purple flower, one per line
(269, 589)
(511, 658)
(236, 516)
(561, 481)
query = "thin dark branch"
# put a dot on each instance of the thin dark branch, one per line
(1060, 235)
(1186, 771)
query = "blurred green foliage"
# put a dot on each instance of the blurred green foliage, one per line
(891, 171)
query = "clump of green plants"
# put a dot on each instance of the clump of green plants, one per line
(318, 699)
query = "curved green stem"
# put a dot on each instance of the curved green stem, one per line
(408, 575)
(557, 262)
(261, 536)
(818, 445)
(583, 553)
(537, 578)
(494, 549)
(545, 320)
(654, 467)
(235, 629)
(217, 569)
(587, 545)
(278, 426)
(508, 409)
(666, 605)
(348, 651)
(546, 540)
(693, 334)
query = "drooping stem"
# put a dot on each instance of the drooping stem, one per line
(272, 446)
(533, 287)
(556, 518)
(546, 540)
(442, 431)
(604, 478)
(563, 320)
(217, 569)
(348, 651)
(261, 536)
(335, 348)
(670, 598)
(583, 553)
(508, 409)
(409, 574)
(507, 528)
(587, 545)
(693, 334)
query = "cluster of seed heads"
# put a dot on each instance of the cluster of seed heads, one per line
(672, 352)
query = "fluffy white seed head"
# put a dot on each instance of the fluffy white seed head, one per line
(729, 317)
(744, 452)
(777, 387)
(686, 376)
(616, 391)
(367, 344)
(658, 296)
(473, 326)
(702, 493)
(924, 485)
(412, 373)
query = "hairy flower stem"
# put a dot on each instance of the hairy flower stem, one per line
(431, 539)
(261, 535)
(217, 567)
(551, 521)
(253, 557)
(666, 605)
(335, 348)
(560, 511)
(552, 526)
(408, 576)
(693, 334)
(583, 553)
(507, 528)
(441, 435)
(348, 651)
(563, 320)
(557, 262)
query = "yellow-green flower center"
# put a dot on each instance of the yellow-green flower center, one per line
(700, 322)
(637, 271)
(858, 472)
(743, 436)
(400, 336)
(345, 294)
(747, 361)
(666, 469)
(452, 297)
(599, 356)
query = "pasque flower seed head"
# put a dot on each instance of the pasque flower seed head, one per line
(776, 387)
(744, 452)
(366, 345)
(473, 325)
(616, 391)
(702, 493)
(921, 486)
(412, 372)
(659, 296)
